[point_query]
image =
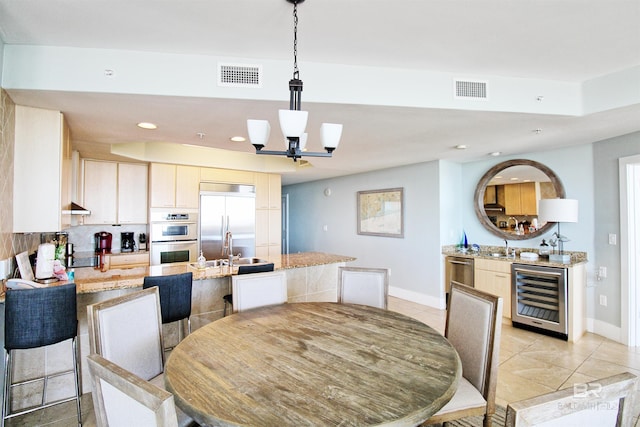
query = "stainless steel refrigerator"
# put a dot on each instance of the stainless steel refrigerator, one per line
(227, 207)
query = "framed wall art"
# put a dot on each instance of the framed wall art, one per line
(381, 212)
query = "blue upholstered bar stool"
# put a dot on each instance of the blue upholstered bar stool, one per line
(246, 269)
(35, 318)
(175, 296)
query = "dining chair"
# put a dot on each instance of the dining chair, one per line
(246, 269)
(473, 328)
(121, 398)
(366, 286)
(175, 297)
(258, 289)
(127, 331)
(603, 402)
(38, 317)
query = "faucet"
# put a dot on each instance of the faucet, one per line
(509, 253)
(227, 248)
(517, 230)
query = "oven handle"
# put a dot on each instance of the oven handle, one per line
(459, 262)
(175, 242)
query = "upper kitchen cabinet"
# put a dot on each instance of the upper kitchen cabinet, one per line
(268, 216)
(521, 199)
(268, 191)
(174, 186)
(115, 193)
(42, 171)
(227, 176)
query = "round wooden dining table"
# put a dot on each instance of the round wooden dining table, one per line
(313, 364)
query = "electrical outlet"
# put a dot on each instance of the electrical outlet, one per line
(613, 239)
(602, 272)
(603, 300)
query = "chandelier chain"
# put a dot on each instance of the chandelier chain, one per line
(296, 73)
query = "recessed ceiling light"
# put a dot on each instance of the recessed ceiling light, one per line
(461, 147)
(495, 153)
(147, 125)
(514, 178)
(238, 139)
(537, 131)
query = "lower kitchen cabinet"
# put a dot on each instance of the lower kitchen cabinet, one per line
(494, 277)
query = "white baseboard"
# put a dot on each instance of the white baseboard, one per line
(605, 329)
(417, 297)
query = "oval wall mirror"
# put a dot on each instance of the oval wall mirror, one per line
(506, 198)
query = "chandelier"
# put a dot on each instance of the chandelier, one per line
(294, 121)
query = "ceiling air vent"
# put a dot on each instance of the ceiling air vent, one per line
(239, 75)
(470, 90)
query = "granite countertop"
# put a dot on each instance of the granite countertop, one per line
(486, 252)
(91, 280)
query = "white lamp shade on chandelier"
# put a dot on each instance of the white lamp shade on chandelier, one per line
(557, 210)
(259, 131)
(293, 122)
(330, 134)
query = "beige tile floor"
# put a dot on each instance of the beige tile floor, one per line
(530, 364)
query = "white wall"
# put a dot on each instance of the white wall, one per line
(607, 219)
(414, 260)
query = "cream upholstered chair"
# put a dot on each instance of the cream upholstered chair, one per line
(366, 286)
(603, 402)
(258, 289)
(121, 398)
(246, 269)
(127, 331)
(473, 328)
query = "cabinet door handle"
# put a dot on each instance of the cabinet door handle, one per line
(501, 276)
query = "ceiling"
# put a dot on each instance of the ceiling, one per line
(562, 41)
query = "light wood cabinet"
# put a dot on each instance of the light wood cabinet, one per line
(132, 193)
(174, 186)
(494, 277)
(187, 186)
(115, 193)
(227, 176)
(125, 261)
(268, 216)
(521, 199)
(42, 171)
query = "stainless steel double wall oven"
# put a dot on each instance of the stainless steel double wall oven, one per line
(173, 236)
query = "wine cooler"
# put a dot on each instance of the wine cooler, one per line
(539, 299)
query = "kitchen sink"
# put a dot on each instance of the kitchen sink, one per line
(210, 263)
(252, 260)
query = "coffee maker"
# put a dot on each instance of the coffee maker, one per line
(102, 241)
(127, 243)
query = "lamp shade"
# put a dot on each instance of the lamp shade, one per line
(330, 134)
(303, 141)
(258, 131)
(557, 210)
(293, 122)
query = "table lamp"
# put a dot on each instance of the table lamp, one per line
(558, 210)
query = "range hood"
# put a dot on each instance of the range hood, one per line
(494, 207)
(76, 210)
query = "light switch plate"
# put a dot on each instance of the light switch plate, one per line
(613, 239)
